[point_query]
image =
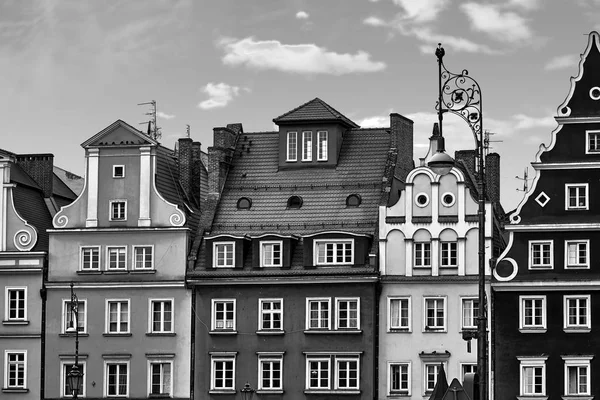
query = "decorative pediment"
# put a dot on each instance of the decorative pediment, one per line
(119, 133)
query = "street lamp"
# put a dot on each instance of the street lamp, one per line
(75, 375)
(461, 95)
(247, 392)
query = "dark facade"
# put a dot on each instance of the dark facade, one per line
(546, 286)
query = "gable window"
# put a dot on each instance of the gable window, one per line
(347, 313)
(577, 313)
(15, 369)
(270, 314)
(117, 379)
(331, 252)
(161, 378)
(270, 371)
(307, 146)
(270, 254)
(423, 254)
(576, 196)
(540, 254)
(449, 256)
(143, 257)
(399, 378)
(577, 254)
(223, 255)
(118, 210)
(532, 312)
(67, 390)
(223, 314)
(292, 146)
(161, 316)
(533, 376)
(322, 146)
(116, 258)
(317, 313)
(68, 316)
(222, 372)
(435, 314)
(577, 375)
(90, 258)
(399, 317)
(118, 171)
(16, 304)
(593, 142)
(117, 319)
(470, 313)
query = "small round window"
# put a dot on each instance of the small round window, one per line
(294, 202)
(448, 199)
(244, 203)
(353, 200)
(595, 93)
(422, 199)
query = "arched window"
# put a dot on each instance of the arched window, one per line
(244, 203)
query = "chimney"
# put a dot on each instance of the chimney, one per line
(196, 175)
(468, 157)
(219, 159)
(40, 168)
(184, 161)
(402, 139)
(492, 177)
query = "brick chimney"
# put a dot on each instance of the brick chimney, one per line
(492, 175)
(219, 159)
(196, 174)
(401, 129)
(40, 168)
(468, 157)
(184, 161)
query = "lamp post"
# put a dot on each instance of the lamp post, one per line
(247, 392)
(461, 95)
(75, 375)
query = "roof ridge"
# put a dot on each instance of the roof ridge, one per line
(321, 107)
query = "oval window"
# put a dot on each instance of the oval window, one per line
(595, 93)
(448, 199)
(353, 200)
(244, 203)
(422, 199)
(294, 202)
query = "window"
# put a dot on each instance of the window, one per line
(16, 304)
(118, 210)
(423, 254)
(318, 311)
(467, 369)
(400, 317)
(223, 255)
(533, 376)
(307, 146)
(69, 316)
(576, 196)
(117, 318)
(532, 313)
(223, 315)
(577, 254)
(334, 252)
(117, 379)
(421, 199)
(270, 372)
(430, 376)
(116, 258)
(577, 375)
(270, 254)
(348, 313)
(118, 171)
(15, 369)
(270, 314)
(470, 313)
(90, 258)
(353, 200)
(435, 314)
(322, 146)
(448, 199)
(244, 203)
(292, 146)
(449, 254)
(294, 202)
(346, 373)
(342, 371)
(399, 379)
(161, 378)
(67, 390)
(540, 254)
(593, 142)
(222, 373)
(161, 316)
(577, 313)
(317, 373)
(143, 257)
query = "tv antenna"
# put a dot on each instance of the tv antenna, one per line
(187, 130)
(525, 180)
(153, 129)
(487, 141)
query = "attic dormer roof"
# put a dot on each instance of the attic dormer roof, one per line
(133, 136)
(314, 110)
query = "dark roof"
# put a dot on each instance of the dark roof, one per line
(314, 110)
(74, 182)
(30, 204)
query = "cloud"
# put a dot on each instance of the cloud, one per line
(526, 5)
(295, 58)
(302, 15)
(219, 95)
(524, 122)
(163, 115)
(561, 62)
(421, 10)
(505, 26)
(374, 21)
(453, 42)
(375, 122)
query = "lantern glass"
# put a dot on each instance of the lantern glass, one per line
(441, 163)
(74, 378)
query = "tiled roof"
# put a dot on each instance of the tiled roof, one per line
(314, 110)
(30, 204)
(74, 182)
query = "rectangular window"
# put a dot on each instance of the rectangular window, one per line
(223, 314)
(223, 254)
(67, 390)
(16, 304)
(346, 373)
(117, 319)
(322, 146)
(467, 369)
(540, 254)
(292, 146)
(118, 210)
(400, 317)
(143, 257)
(270, 314)
(307, 146)
(577, 312)
(117, 379)
(593, 142)
(431, 373)
(270, 372)
(532, 312)
(161, 377)
(317, 373)
(69, 316)
(435, 313)
(90, 258)
(577, 254)
(161, 316)
(116, 258)
(449, 252)
(222, 373)
(423, 254)
(470, 313)
(533, 376)
(399, 378)
(576, 196)
(270, 254)
(334, 252)
(15, 369)
(577, 375)
(317, 313)
(118, 171)
(347, 313)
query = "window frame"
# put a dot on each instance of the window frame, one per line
(135, 249)
(336, 374)
(307, 155)
(443, 328)
(108, 251)
(420, 247)
(270, 358)
(532, 362)
(63, 376)
(216, 254)
(107, 364)
(290, 135)
(322, 147)
(110, 210)
(463, 372)
(8, 352)
(463, 300)
(585, 265)
(262, 245)
(213, 315)
(215, 358)
(66, 303)
(320, 358)
(151, 321)
(588, 313)
(524, 328)
(336, 243)
(7, 307)
(159, 361)
(402, 392)
(271, 312)
(338, 300)
(586, 188)
(436, 365)
(310, 300)
(114, 175)
(399, 328)
(120, 302)
(82, 249)
(577, 362)
(531, 244)
(447, 254)
(588, 149)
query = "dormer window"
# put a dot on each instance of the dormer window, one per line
(334, 252)
(292, 146)
(118, 171)
(223, 254)
(270, 253)
(294, 202)
(307, 146)
(353, 200)
(244, 203)
(593, 142)
(322, 146)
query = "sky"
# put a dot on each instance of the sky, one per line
(70, 68)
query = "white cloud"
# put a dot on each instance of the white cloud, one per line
(163, 115)
(295, 58)
(505, 26)
(561, 62)
(219, 95)
(524, 122)
(375, 122)
(421, 10)
(374, 21)
(527, 5)
(302, 15)
(453, 42)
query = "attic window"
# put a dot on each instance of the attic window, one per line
(353, 200)
(595, 93)
(118, 171)
(448, 199)
(294, 202)
(244, 203)
(422, 199)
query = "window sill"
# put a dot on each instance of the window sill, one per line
(112, 272)
(143, 271)
(9, 322)
(532, 397)
(95, 272)
(81, 334)
(577, 330)
(160, 333)
(532, 330)
(159, 396)
(577, 267)
(225, 391)
(269, 391)
(270, 333)
(435, 330)
(332, 332)
(116, 334)
(577, 397)
(334, 392)
(15, 390)
(541, 267)
(223, 332)
(398, 394)
(399, 330)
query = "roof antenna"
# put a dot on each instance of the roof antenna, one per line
(487, 141)
(187, 130)
(155, 133)
(525, 181)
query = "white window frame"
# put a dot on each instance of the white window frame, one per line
(108, 363)
(541, 243)
(310, 300)
(532, 362)
(588, 313)
(82, 249)
(271, 312)
(143, 250)
(110, 210)
(472, 366)
(336, 243)
(63, 377)
(436, 365)
(151, 303)
(336, 376)
(443, 328)
(325, 358)
(119, 321)
(216, 255)
(339, 300)
(118, 248)
(446, 254)
(66, 303)
(115, 171)
(213, 314)
(533, 328)
(264, 358)
(577, 362)
(7, 308)
(420, 247)
(400, 364)
(154, 361)
(464, 300)
(400, 299)
(6, 369)
(322, 147)
(586, 189)
(215, 358)
(289, 155)
(307, 146)
(588, 149)
(577, 265)
(263, 253)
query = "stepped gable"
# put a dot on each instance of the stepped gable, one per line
(314, 110)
